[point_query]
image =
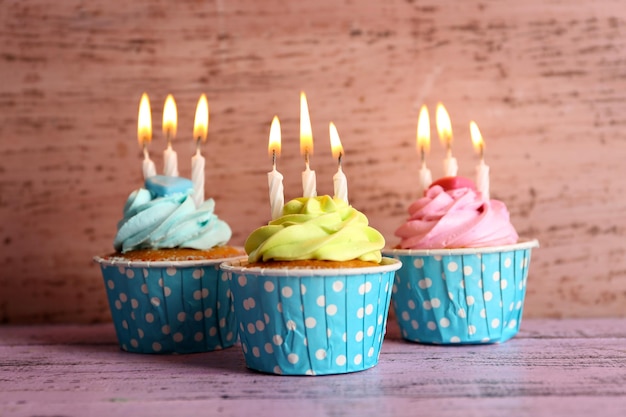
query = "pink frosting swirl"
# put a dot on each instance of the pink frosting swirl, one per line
(456, 218)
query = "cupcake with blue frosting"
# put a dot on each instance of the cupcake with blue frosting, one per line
(163, 283)
(313, 296)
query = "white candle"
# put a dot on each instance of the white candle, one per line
(277, 197)
(423, 146)
(170, 161)
(309, 186)
(425, 177)
(197, 177)
(340, 182)
(444, 129)
(200, 131)
(149, 170)
(275, 178)
(450, 167)
(482, 170)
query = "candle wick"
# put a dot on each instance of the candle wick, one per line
(449, 151)
(306, 159)
(168, 136)
(339, 159)
(482, 153)
(198, 141)
(423, 156)
(145, 150)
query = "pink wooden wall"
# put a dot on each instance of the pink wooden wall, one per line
(545, 80)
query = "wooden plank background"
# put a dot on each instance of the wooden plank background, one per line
(545, 81)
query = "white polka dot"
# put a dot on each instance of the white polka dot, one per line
(512, 324)
(155, 301)
(359, 336)
(197, 294)
(222, 322)
(249, 303)
(495, 323)
(198, 315)
(156, 347)
(331, 309)
(485, 340)
(380, 319)
(461, 313)
(450, 296)
(370, 331)
(444, 322)
(225, 276)
(496, 276)
(256, 352)
(291, 325)
(242, 280)
(293, 358)
(244, 347)
(167, 291)
(140, 333)
(149, 317)
(134, 303)
(431, 325)
(321, 301)
(213, 332)
(320, 354)
(414, 324)
(358, 359)
(405, 316)
(344, 337)
(507, 262)
(160, 281)
(130, 274)
(435, 303)
(144, 288)
(208, 312)
(518, 305)
(427, 305)
(229, 335)
(470, 300)
(125, 324)
(471, 329)
(170, 271)
(360, 312)
(411, 304)
(437, 258)
(503, 284)
(337, 286)
(310, 322)
(418, 263)
(205, 292)
(268, 286)
(328, 332)
(181, 316)
(467, 270)
(511, 306)
(365, 288)
(134, 343)
(394, 289)
(118, 304)
(302, 289)
(198, 336)
(277, 339)
(370, 352)
(369, 309)
(453, 267)
(341, 360)
(488, 295)
(266, 317)
(145, 273)
(121, 270)
(197, 273)
(277, 370)
(455, 339)
(483, 313)
(132, 315)
(251, 328)
(425, 283)
(268, 348)
(480, 283)
(110, 284)
(165, 329)
(287, 292)
(279, 307)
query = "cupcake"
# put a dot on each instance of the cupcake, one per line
(313, 296)
(464, 268)
(163, 283)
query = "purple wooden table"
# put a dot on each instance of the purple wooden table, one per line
(552, 368)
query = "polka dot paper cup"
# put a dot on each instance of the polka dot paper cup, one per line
(461, 296)
(169, 306)
(311, 321)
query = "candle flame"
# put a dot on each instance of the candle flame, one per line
(444, 127)
(170, 117)
(423, 130)
(144, 124)
(477, 138)
(201, 121)
(306, 133)
(273, 148)
(335, 142)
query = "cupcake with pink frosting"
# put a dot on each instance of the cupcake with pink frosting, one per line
(464, 268)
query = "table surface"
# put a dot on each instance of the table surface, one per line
(553, 367)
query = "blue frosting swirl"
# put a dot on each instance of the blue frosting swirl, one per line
(163, 215)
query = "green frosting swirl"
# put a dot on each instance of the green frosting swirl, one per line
(321, 228)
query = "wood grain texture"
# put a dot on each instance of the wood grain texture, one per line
(552, 368)
(544, 80)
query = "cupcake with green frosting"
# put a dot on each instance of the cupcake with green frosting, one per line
(313, 296)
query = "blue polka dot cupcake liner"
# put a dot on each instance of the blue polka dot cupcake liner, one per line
(169, 307)
(311, 321)
(461, 296)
